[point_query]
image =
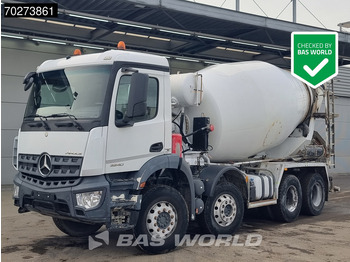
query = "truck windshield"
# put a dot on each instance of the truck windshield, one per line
(77, 91)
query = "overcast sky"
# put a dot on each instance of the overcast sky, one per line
(329, 12)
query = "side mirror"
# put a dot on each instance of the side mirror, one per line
(29, 80)
(137, 95)
(137, 101)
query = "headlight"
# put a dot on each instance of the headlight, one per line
(89, 200)
(15, 191)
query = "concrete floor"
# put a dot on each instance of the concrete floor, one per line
(33, 237)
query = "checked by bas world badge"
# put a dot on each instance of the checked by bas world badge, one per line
(314, 57)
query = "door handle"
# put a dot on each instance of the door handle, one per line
(157, 147)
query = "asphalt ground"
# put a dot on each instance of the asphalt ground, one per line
(33, 237)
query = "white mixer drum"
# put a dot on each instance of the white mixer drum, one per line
(254, 106)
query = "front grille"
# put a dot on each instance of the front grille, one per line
(50, 182)
(62, 166)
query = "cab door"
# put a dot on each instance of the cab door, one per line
(131, 145)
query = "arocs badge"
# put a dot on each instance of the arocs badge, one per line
(314, 56)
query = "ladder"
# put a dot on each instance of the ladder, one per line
(330, 125)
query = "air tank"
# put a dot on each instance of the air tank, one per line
(254, 106)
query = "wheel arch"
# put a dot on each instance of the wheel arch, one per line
(169, 170)
(215, 175)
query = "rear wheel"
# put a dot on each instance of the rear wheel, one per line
(289, 200)
(314, 194)
(223, 212)
(163, 220)
(76, 229)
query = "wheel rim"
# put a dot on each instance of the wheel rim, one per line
(161, 220)
(316, 194)
(292, 199)
(225, 210)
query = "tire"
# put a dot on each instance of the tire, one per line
(163, 220)
(289, 200)
(314, 194)
(76, 229)
(223, 212)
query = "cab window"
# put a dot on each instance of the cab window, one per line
(123, 97)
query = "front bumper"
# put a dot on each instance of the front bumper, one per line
(118, 208)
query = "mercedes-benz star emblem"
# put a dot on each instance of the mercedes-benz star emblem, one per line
(45, 165)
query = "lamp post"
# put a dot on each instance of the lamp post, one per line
(294, 11)
(344, 25)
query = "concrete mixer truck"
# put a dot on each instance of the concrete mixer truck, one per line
(113, 139)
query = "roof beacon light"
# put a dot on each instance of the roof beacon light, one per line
(77, 52)
(121, 45)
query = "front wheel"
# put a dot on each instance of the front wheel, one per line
(289, 200)
(76, 229)
(163, 220)
(223, 212)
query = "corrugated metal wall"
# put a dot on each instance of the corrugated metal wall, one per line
(342, 82)
(342, 123)
(21, 56)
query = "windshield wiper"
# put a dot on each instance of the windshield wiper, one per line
(71, 117)
(42, 119)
